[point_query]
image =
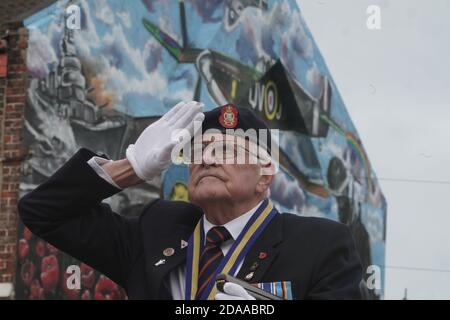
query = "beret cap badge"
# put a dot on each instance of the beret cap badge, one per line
(228, 116)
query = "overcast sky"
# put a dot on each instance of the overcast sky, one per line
(396, 86)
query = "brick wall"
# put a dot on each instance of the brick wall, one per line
(12, 104)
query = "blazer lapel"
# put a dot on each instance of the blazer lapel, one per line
(168, 255)
(263, 252)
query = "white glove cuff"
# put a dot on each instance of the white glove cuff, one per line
(132, 160)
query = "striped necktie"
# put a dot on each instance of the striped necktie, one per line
(211, 256)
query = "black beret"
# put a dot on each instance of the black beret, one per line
(231, 117)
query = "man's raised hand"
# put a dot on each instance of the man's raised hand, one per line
(152, 151)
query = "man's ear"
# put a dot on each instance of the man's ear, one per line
(269, 167)
(264, 183)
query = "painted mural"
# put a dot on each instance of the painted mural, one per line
(100, 86)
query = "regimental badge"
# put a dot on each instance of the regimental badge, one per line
(228, 116)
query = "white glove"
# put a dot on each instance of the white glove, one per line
(152, 151)
(233, 291)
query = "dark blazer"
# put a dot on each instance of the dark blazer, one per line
(317, 255)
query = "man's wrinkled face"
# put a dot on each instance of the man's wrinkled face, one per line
(215, 180)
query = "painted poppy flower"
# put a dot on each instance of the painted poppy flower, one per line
(86, 295)
(27, 272)
(40, 248)
(106, 289)
(49, 273)
(36, 291)
(24, 248)
(87, 276)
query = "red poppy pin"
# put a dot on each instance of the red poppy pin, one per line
(262, 255)
(228, 116)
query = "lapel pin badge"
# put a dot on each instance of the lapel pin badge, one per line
(160, 262)
(254, 266)
(184, 244)
(168, 252)
(262, 255)
(249, 276)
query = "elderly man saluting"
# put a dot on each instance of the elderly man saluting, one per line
(175, 250)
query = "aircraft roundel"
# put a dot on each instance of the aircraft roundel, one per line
(270, 100)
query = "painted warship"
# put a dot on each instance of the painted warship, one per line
(62, 118)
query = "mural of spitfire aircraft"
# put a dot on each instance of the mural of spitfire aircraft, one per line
(270, 90)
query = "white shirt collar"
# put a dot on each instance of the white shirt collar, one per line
(234, 226)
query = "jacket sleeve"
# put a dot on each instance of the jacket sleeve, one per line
(67, 211)
(338, 269)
